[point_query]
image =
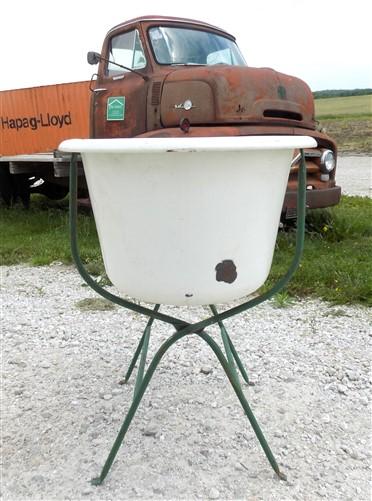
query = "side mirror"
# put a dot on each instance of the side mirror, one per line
(93, 57)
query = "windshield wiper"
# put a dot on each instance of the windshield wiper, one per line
(187, 64)
(95, 58)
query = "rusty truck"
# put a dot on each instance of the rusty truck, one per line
(160, 76)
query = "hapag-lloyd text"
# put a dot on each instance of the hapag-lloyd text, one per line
(33, 123)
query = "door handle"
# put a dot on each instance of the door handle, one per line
(100, 89)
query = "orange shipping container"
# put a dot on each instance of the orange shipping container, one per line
(37, 119)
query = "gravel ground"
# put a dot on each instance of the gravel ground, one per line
(354, 175)
(190, 440)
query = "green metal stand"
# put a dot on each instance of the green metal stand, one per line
(229, 362)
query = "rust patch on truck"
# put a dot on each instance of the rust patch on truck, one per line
(226, 271)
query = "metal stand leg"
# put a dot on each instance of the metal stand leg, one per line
(146, 340)
(244, 403)
(239, 363)
(135, 403)
(230, 350)
(138, 351)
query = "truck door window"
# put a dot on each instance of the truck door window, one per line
(190, 46)
(126, 49)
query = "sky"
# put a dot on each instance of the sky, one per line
(327, 43)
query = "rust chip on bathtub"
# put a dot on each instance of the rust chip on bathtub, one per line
(226, 271)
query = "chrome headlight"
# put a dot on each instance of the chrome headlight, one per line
(327, 161)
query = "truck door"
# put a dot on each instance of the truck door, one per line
(119, 99)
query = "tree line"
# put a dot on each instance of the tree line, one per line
(319, 94)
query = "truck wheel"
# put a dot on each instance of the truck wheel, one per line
(14, 186)
(6, 185)
(51, 190)
(287, 223)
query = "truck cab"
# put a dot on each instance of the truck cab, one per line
(171, 77)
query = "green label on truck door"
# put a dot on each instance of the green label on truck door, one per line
(115, 108)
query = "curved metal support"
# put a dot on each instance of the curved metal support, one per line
(177, 323)
(83, 272)
(300, 235)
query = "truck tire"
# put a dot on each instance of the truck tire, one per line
(6, 185)
(14, 186)
(51, 190)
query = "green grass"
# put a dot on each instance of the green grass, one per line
(353, 106)
(336, 264)
(40, 236)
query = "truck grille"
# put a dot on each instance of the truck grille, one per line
(288, 115)
(155, 98)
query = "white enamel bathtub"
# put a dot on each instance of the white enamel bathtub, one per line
(187, 220)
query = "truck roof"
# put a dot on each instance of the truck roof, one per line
(180, 20)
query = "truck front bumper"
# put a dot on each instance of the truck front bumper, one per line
(325, 197)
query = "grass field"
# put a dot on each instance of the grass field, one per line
(348, 120)
(335, 265)
(336, 107)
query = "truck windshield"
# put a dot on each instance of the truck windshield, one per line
(187, 46)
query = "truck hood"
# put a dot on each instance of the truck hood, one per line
(235, 94)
